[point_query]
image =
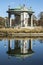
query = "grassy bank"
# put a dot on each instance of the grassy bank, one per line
(22, 30)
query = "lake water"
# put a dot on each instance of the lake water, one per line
(21, 51)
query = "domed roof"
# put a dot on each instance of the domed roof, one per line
(23, 8)
(20, 9)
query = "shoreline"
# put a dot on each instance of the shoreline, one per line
(22, 32)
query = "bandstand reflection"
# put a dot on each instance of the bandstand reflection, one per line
(22, 48)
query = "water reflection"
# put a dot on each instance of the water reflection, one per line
(22, 48)
(41, 40)
(21, 52)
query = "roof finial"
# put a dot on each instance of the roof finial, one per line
(8, 6)
(23, 5)
(30, 8)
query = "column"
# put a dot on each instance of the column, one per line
(29, 23)
(22, 19)
(10, 22)
(9, 16)
(31, 20)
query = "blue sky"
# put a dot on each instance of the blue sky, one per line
(37, 5)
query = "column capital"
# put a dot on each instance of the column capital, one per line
(30, 14)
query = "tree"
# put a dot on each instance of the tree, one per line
(40, 21)
(34, 20)
(2, 22)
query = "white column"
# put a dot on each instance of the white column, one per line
(24, 18)
(21, 19)
(31, 20)
(10, 22)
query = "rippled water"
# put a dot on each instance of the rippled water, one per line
(21, 52)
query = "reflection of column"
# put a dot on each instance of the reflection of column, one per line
(24, 46)
(21, 46)
(16, 44)
(30, 44)
(9, 45)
